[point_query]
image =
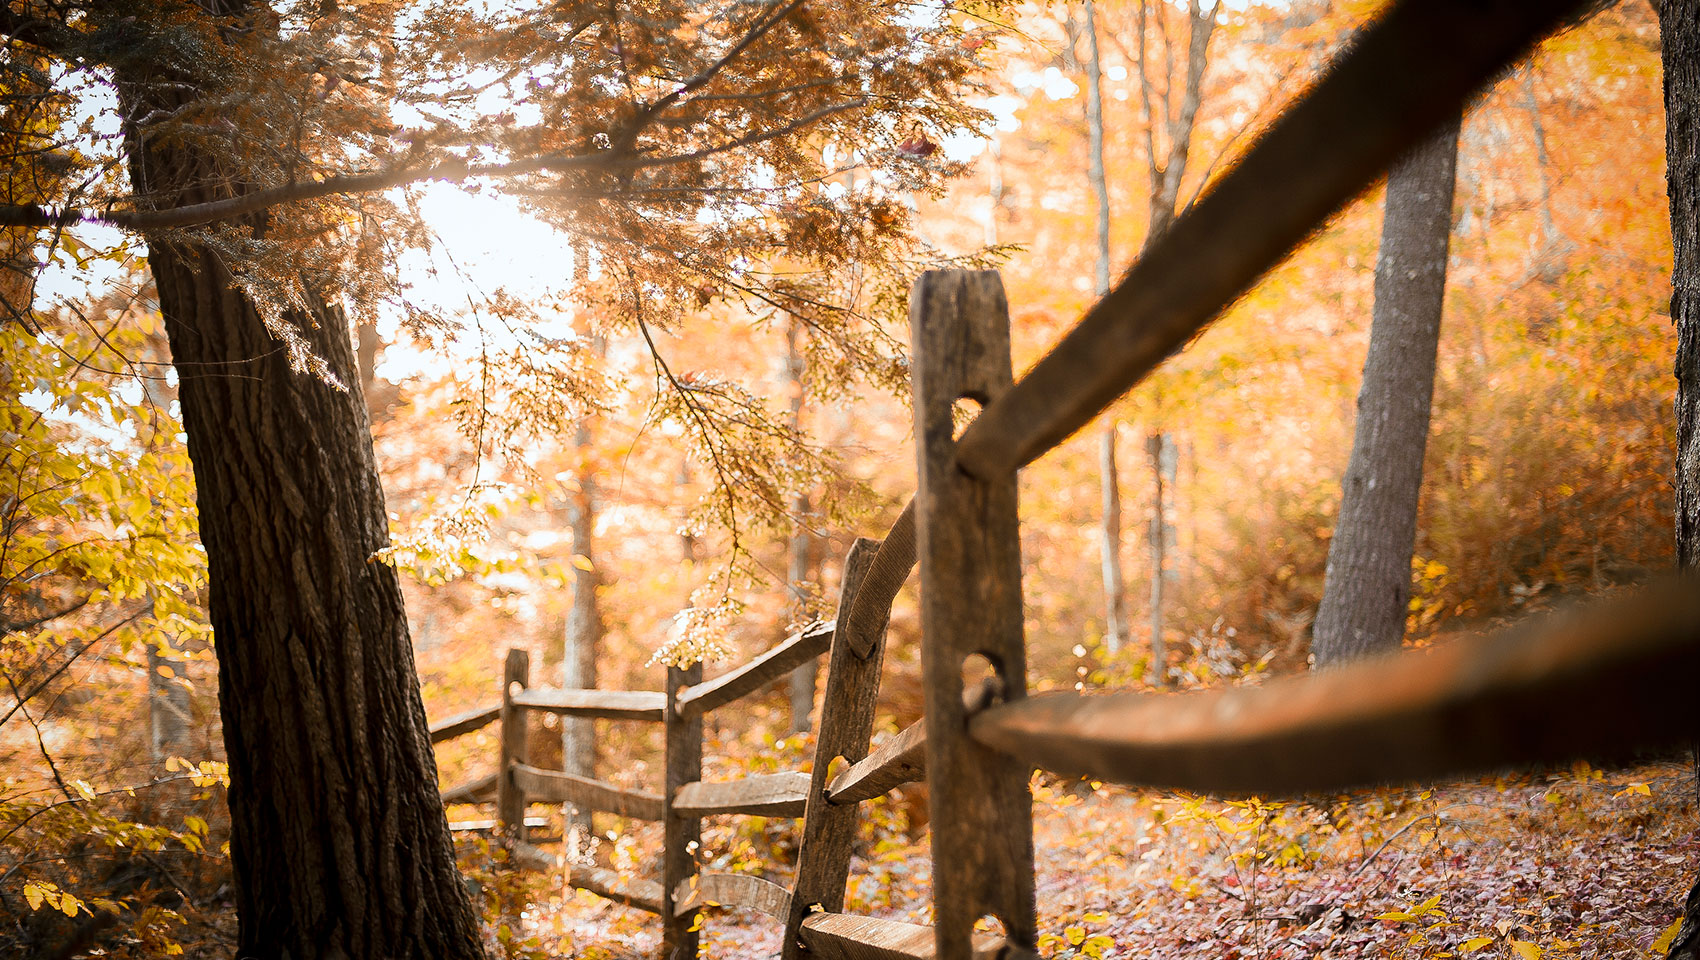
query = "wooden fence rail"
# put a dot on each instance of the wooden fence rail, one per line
(1462, 708)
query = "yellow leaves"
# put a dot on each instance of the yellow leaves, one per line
(1661, 946)
(83, 789)
(1077, 937)
(1475, 943)
(1632, 790)
(39, 893)
(582, 562)
(1524, 950)
(1429, 907)
(203, 774)
(1096, 945)
(195, 839)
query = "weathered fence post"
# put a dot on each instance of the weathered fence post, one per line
(510, 799)
(969, 541)
(680, 835)
(846, 723)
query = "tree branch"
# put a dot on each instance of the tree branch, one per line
(36, 215)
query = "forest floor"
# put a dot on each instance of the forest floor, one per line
(1568, 863)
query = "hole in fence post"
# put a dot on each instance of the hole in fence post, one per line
(982, 683)
(963, 410)
(836, 766)
(989, 924)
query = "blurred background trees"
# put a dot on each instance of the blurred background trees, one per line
(529, 481)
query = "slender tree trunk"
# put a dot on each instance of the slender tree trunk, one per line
(339, 846)
(804, 678)
(582, 640)
(1367, 586)
(1551, 239)
(168, 696)
(1110, 534)
(1159, 541)
(1165, 171)
(687, 539)
(1095, 147)
(1115, 590)
(1679, 26)
(367, 346)
(168, 707)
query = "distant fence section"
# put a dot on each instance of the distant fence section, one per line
(1600, 685)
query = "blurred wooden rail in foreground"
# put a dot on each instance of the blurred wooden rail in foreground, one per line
(1599, 684)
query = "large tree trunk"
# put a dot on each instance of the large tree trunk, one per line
(1679, 27)
(339, 846)
(1679, 22)
(1368, 581)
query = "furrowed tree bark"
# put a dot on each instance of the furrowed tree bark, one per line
(339, 846)
(1367, 586)
(1679, 30)
(1679, 22)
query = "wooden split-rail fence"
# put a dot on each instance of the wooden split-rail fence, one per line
(1601, 685)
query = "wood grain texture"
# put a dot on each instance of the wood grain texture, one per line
(795, 650)
(478, 790)
(633, 892)
(1462, 708)
(607, 704)
(464, 723)
(846, 722)
(1400, 78)
(761, 795)
(553, 786)
(681, 833)
(838, 936)
(969, 543)
(871, 609)
(733, 890)
(510, 798)
(900, 760)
